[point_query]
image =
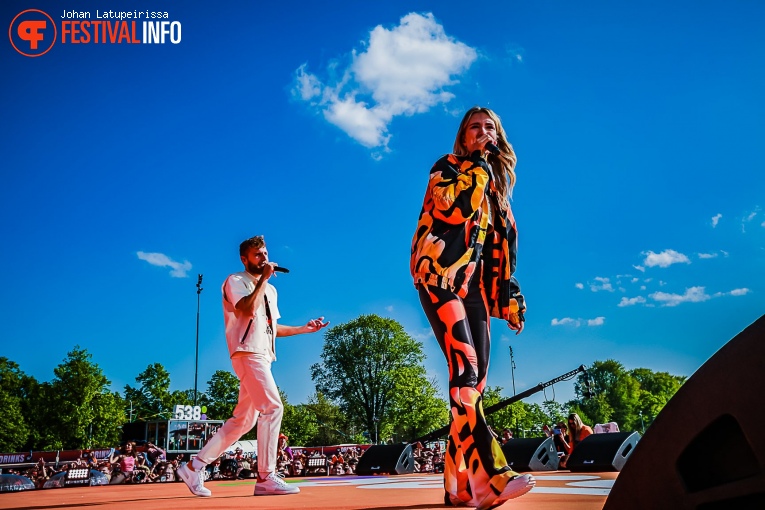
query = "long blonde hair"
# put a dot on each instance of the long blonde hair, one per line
(505, 179)
(578, 426)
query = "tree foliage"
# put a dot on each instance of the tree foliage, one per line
(416, 408)
(222, 395)
(81, 410)
(363, 362)
(152, 399)
(370, 368)
(299, 424)
(631, 398)
(15, 430)
(331, 422)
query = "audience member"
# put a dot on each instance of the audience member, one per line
(577, 431)
(125, 458)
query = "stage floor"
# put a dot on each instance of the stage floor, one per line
(554, 490)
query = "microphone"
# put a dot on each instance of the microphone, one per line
(281, 269)
(492, 148)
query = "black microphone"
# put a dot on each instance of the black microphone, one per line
(492, 148)
(281, 269)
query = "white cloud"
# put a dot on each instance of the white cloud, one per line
(749, 218)
(402, 71)
(425, 334)
(515, 54)
(631, 301)
(735, 292)
(665, 258)
(566, 321)
(692, 295)
(179, 269)
(640, 268)
(635, 280)
(579, 286)
(389, 309)
(707, 255)
(601, 284)
(716, 219)
(762, 224)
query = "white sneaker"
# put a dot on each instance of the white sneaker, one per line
(517, 486)
(273, 485)
(194, 480)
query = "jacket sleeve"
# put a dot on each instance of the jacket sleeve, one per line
(512, 252)
(458, 187)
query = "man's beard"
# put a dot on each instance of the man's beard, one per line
(253, 269)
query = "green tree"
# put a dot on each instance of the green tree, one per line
(361, 365)
(614, 394)
(416, 408)
(110, 410)
(298, 423)
(152, 399)
(331, 422)
(222, 395)
(81, 402)
(523, 419)
(630, 398)
(656, 389)
(14, 432)
(13, 393)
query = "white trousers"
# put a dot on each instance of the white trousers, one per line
(259, 402)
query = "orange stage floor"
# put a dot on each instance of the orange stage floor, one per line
(554, 490)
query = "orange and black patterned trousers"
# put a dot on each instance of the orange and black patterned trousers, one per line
(474, 466)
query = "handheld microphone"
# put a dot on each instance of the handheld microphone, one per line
(281, 269)
(492, 148)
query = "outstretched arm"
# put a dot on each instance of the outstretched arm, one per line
(311, 326)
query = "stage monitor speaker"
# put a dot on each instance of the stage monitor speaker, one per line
(603, 452)
(392, 459)
(531, 454)
(706, 449)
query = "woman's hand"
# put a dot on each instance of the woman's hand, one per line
(516, 326)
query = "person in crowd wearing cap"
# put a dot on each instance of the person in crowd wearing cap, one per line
(284, 457)
(250, 314)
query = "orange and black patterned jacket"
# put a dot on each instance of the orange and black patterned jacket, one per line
(453, 232)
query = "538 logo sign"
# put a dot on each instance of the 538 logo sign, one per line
(32, 33)
(188, 412)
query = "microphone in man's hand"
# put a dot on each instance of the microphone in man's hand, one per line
(492, 148)
(281, 269)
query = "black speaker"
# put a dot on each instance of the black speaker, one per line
(531, 454)
(705, 450)
(603, 452)
(392, 459)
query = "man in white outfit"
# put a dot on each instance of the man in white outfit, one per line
(250, 313)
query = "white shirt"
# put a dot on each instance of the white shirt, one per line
(245, 331)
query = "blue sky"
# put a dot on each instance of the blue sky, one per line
(129, 169)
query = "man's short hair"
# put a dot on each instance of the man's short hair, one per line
(253, 242)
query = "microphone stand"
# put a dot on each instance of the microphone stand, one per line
(500, 405)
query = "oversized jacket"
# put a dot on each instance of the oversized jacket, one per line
(453, 232)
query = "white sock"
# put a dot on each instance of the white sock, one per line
(197, 464)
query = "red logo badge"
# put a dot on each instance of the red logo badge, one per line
(32, 33)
